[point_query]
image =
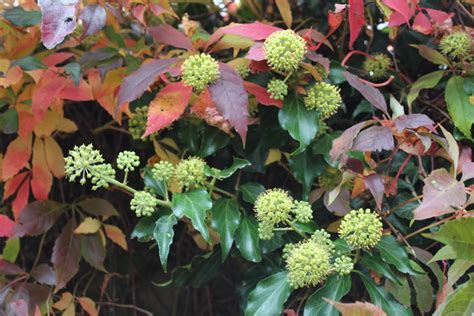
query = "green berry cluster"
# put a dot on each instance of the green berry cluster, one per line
(137, 124)
(324, 97)
(198, 71)
(457, 45)
(243, 70)
(361, 229)
(143, 203)
(343, 265)
(127, 161)
(284, 50)
(275, 206)
(277, 89)
(190, 172)
(377, 65)
(163, 171)
(85, 162)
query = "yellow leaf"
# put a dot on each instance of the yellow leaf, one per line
(312, 70)
(88, 226)
(274, 155)
(66, 125)
(64, 301)
(88, 305)
(163, 152)
(334, 226)
(285, 12)
(471, 99)
(48, 125)
(116, 235)
(70, 310)
(54, 157)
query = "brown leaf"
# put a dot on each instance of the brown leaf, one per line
(37, 218)
(374, 138)
(93, 251)
(65, 300)
(342, 144)
(44, 274)
(98, 207)
(116, 235)
(371, 94)
(374, 183)
(9, 268)
(66, 255)
(357, 308)
(285, 12)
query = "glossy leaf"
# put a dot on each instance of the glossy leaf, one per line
(247, 240)
(250, 191)
(164, 234)
(459, 105)
(393, 252)
(375, 263)
(306, 167)
(237, 164)
(269, 296)
(225, 220)
(334, 288)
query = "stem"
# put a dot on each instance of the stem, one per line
(223, 192)
(125, 178)
(416, 232)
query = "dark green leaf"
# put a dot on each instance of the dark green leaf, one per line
(143, 231)
(400, 290)
(306, 167)
(375, 263)
(250, 191)
(20, 17)
(334, 288)
(246, 239)
(425, 82)
(222, 174)
(431, 54)
(9, 121)
(194, 205)
(269, 296)
(157, 186)
(225, 220)
(213, 139)
(301, 123)
(459, 106)
(29, 63)
(393, 252)
(164, 234)
(74, 70)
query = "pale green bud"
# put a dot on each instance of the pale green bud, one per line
(361, 229)
(324, 97)
(198, 71)
(377, 65)
(143, 203)
(127, 161)
(191, 172)
(284, 50)
(303, 211)
(277, 89)
(163, 170)
(456, 45)
(272, 207)
(343, 265)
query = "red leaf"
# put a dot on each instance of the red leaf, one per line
(9, 268)
(59, 20)
(116, 235)
(256, 31)
(82, 92)
(41, 179)
(21, 198)
(320, 59)
(168, 35)
(336, 17)
(342, 144)
(256, 52)
(442, 194)
(374, 183)
(6, 226)
(439, 16)
(356, 19)
(413, 121)
(93, 19)
(231, 99)
(17, 156)
(138, 12)
(259, 66)
(46, 90)
(374, 138)
(167, 106)
(396, 19)
(37, 218)
(357, 308)
(66, 255)
(371, 94)
(403, 7)
(261, 94)
(12, 184)
(135, 84)
(56, 58)
(422, 24)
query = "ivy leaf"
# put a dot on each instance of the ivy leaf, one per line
(20, 17)
(247, 240)
(356, 19)
(66, 255)
(269, 296)
(250, 191)
(225, 173)
(168, 35)
(167, 106)
(375, 263)
(164, 234)
(213, 139)
(301, 123)
(231, 99)
(38, 217)
(306, 167)
(381, 298)
(334, 288)
(371, 94)
(93, 18)
(58, 21)
(458, 302)
(459, 235)
(145, 226)
(193, 204)
(357, 309)
(459, 106)
(225, 220)
(394, 253)
(427, 81)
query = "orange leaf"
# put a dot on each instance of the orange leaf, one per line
(285, 12)
(116, 235)
(357, 308)
(88, 305)
(66, 125)
(54, 157)
(17, 156)
(167, 106)
(64, 301)
(42, 178)
(21, 198)
(26, 120)
(46, 90)
(47, 125)
(57, 58)
(83, 92)
(12, 184)
(12, 77)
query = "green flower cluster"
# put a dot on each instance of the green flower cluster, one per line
(85, 162)
(284, 50)
(191, 172)
(143, 203)
(243, 70)
(275, 206)
(324, 97)
(343, 265)
(198, 71)
(377, 65)
(277, 89)
(361, 229)
(457, 45)
(137, 124)
(127, 161)
(163, 171)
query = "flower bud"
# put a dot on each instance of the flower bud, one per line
(284, 50)
(377, 66)
(272, 207)
(325, 98)
(343, 265)
(456, 45)
(277, 89)
(198, 71)
(191, 172)
(361, 229)
(163, 170)
(143, 203)
(127, 161)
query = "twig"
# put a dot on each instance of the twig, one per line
(136, 308)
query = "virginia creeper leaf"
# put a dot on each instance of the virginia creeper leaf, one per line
(66, 255)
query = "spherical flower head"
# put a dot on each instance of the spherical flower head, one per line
(101, 174)
(137, 124)
(199, 71)
(81, 161)
(127, 161)
(303, 211)
(308, 264)
(456, 45)
(163, 170)
(277, 89)
(322, 238)
(243, 70)
(343, 265)
(191, 172)
(272, 207)
(377, 65)
(143, 203)
(324, 97)
(361, 229)
(284, 50)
